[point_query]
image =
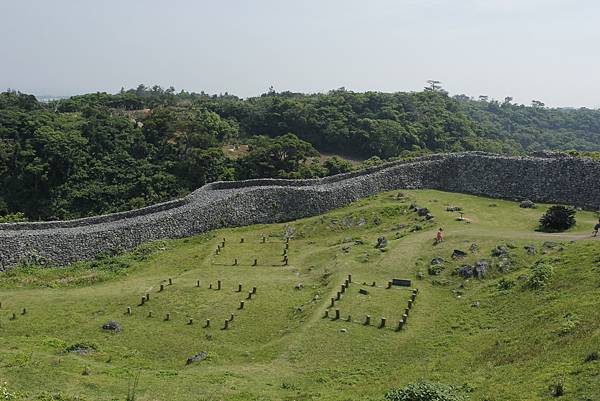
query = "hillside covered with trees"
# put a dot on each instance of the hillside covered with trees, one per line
(100, 153)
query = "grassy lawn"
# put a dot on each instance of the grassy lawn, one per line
(493, 338)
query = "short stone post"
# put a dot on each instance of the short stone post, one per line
(14, 316)
(326, 313)
(382, 324)
(332, 301)
(367, 320)
(389, 284)
(235, 262)
(410, 304)
(191, 321)
(149, 313)
(241, 305)
(207, 323)
(253, 290)
(249, 295)
(413, 297)
(349, 318)
(210, 286)
(337, 314)
(218, 284)
(338, 296)
(162, 287)
(129, 310)
(255, 262)
(239, 287)
(197, 283)
(405, 318)
(406, 311)
(287, 245)
(349, 278)
(24, 311)
(342, 288)
(168, 317)
(373, 285)
(264, 239)
(143, 301)
(242, 240)
(400, 325)
(147, 297)
(226, 325)
(170, 281)
(347, 283)
(231, 318)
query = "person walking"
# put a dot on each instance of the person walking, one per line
(596, 228)
(439, 236)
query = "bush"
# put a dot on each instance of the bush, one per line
(558, 218)
(542, 274)
(424, 391)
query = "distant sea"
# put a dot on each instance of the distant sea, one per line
(48, 98)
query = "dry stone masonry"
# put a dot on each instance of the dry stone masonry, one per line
(545, 177)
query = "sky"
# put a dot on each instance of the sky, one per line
(527, 49)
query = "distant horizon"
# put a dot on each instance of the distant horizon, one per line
(177, 90)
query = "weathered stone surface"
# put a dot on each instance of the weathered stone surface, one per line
(381, 243)
(112, 325)
(547, 178)
(527, 204)
(198, 357)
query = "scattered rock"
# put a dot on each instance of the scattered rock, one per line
(363, 291)
(359, 242)
(435, 270)
(500, 250)
(437, 260)
(454, 209)
(475, 304)
(527, 204)
(481, 268)
(530, 249)
(422, 211)
(381, 242)
(343, 330)
(198, 357)
(299, 286)
(112, 325)
(465, 271)
(346, 248)
(474, 247)
(428, 216)
(504, 265)
(457, 253)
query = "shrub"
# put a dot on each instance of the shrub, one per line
(424, 391)
(557, 218)
(540, 277)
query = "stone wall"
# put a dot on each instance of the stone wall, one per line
(544, 178)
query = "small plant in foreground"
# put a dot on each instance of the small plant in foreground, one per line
(542, 274)
(557, 218)
(557, 389)
(424, 391)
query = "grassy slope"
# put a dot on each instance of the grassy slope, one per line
(499, 345)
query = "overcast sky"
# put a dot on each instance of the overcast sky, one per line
(528, 49)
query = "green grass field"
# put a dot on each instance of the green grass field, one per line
(493, 338)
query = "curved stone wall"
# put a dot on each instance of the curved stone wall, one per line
(545, 178)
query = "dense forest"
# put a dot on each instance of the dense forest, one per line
(101, 153)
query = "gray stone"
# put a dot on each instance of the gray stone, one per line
(381, 242)
(543, 178)
(422, 211)
(437, 260)
(480, 269)
(527, 204)
(112, 325)
(465, 271)
(198, 357)
(457, 253)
